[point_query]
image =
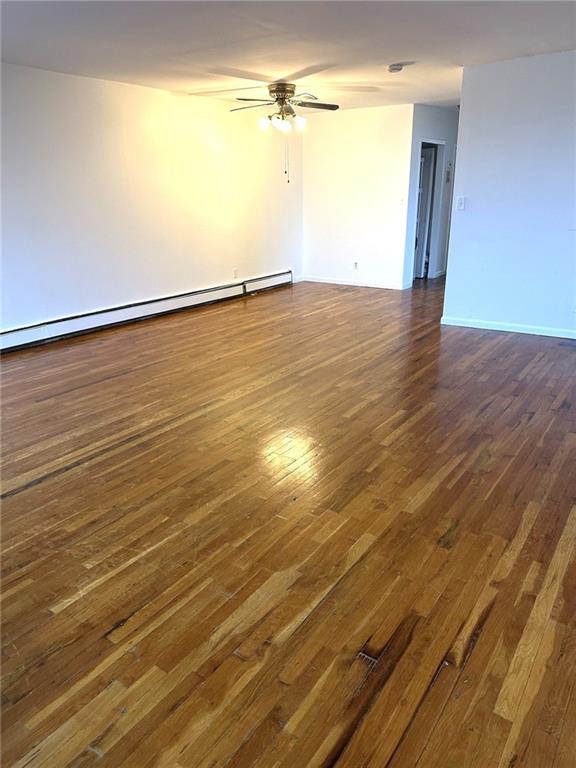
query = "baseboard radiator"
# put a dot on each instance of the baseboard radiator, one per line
(58, 328)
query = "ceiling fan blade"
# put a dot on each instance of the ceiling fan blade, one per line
(243, 98)
(306, 72)
(243, 74)
(253, 106)
(315, 105)
(225, 90)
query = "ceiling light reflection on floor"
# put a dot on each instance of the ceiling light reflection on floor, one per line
(290, 452)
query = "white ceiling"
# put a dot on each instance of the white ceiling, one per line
(339, 50)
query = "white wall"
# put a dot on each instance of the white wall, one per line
(115, 193)
(356, 174)
(512, 255)
(438, 125)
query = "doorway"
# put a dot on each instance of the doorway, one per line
(425, 210)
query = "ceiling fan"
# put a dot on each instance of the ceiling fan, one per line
(284, 98)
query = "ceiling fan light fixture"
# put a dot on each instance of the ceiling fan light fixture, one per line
(283, 97)
(300, 122)
(281, 123)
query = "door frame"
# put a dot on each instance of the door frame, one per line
(426, 188)
(436, 265)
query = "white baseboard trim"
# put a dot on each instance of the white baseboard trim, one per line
(488, 325)
(354, 283)
(53, 329)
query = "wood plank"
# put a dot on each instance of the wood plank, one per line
(312, 527)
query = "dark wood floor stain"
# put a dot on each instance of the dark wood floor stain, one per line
(308, 528)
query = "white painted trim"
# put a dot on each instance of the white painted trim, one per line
(488, 325)
(439, 192)
(355, 283)
(432, 141)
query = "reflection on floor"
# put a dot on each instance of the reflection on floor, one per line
(309, 528)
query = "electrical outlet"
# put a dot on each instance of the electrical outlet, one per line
(355, 265)
(235, 274)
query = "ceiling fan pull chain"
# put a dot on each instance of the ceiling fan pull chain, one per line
(287, 161)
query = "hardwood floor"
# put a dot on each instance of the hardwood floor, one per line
(309, 528)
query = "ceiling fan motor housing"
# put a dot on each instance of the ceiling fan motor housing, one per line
(282, 91)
